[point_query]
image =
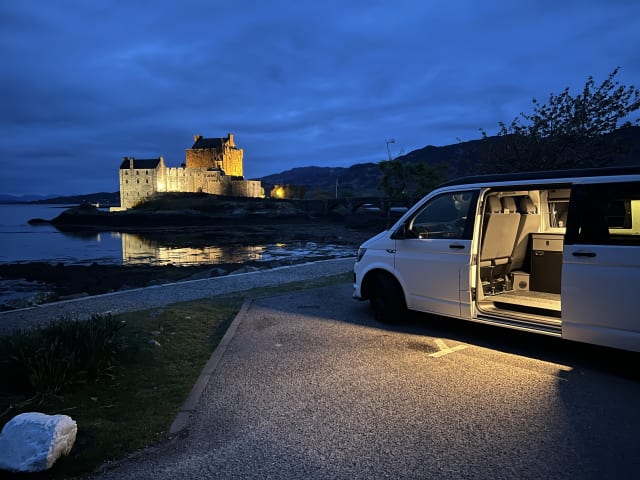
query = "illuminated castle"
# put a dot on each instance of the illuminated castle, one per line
(213, 165)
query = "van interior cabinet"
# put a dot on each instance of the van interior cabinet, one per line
(546, 262)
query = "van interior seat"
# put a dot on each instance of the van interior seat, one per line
(508, 205)
(529, 223)
(500, 228)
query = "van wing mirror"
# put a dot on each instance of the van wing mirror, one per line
(400, 232)
(403, 232)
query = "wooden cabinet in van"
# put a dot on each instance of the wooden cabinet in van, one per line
(546, 262)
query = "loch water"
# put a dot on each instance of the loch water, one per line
(22, 242)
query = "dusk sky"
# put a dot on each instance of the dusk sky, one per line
(299, 83)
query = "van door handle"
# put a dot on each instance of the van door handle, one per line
(453, 245)
(584, 254)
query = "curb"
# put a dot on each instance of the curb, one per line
(159, 295)
(188, 407)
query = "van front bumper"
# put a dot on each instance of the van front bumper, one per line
(357, 288)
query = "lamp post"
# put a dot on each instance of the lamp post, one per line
(391, 140)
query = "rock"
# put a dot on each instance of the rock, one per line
(73, 296)
(218, 272)
(38, 221)
(197, 276)
(32, 442)
(214, 272)
(245, 269)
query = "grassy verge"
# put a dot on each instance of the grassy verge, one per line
(166, 351)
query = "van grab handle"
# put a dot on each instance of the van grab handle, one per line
(583, 254)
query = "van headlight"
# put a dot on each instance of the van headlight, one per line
(361, 252)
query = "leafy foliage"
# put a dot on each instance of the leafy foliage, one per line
(566, 132)
(404, 182)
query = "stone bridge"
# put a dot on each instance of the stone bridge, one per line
(349, 204)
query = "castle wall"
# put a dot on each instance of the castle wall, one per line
(136, 185)
(247, 188)
(194, 180)
(210, 181)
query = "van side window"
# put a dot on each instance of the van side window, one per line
(604, 214)
(449, 215)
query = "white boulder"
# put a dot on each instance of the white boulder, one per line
(32, 442)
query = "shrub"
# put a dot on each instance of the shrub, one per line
(50, 360)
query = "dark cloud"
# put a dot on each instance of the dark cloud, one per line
(299, 83)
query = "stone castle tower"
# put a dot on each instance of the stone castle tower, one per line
(213, 165)
(215, 153)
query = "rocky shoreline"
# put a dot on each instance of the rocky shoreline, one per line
(194, 223)
(36, 283)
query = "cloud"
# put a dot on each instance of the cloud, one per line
(298, 83)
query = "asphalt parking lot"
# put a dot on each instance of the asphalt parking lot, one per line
(309, 386)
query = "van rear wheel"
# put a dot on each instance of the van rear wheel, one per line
(387, 299)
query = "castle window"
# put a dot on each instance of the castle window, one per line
(126, 181)
(147, 180)
(137, 181)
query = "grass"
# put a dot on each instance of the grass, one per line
(166, 351)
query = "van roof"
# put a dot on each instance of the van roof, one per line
(543, 175)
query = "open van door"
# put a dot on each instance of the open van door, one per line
(601, 265)
(433, 254)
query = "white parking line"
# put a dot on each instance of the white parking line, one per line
(444, 349)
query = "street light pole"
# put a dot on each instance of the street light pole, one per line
(391, 140)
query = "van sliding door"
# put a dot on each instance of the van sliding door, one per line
(601, 265)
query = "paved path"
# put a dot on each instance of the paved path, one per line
(307, 385)
(159, 295)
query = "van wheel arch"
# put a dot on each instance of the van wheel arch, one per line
(386, 296)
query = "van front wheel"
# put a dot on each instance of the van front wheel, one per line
(387, 299)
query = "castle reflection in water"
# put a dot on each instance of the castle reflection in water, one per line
(140, 250)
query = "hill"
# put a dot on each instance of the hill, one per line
(364, 179)
(361, 179)
(104, 199)
(4, 198)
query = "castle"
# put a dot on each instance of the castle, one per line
(213, 165)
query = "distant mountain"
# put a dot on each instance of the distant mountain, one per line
(361, 179)
(19, 198)
(364, 179)
(102, 198)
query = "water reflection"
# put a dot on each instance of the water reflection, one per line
(77, 245)
(138, 249)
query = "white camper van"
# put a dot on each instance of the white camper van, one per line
(556, 253)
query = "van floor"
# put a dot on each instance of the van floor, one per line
(538, 303)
